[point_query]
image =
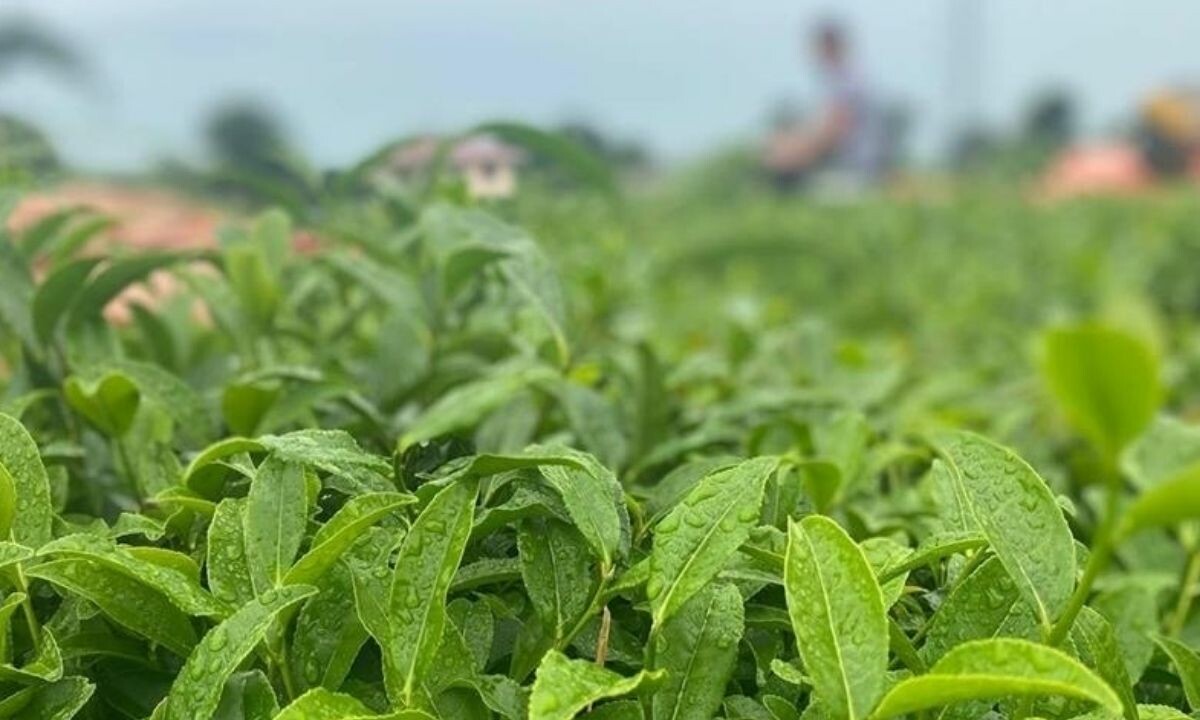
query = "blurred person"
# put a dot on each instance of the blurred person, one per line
(842, 151)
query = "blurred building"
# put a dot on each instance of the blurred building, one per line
(489, 167)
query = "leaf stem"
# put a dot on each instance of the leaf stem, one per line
(35, 631)
(1102, 550)
(1183, 605)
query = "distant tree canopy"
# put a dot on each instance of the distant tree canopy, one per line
(1051, 120)
(23, 40)
(24, 148)
(246, 135)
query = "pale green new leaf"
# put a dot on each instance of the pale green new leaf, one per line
(700, 534)
(197, 689)
(425, 567)
(838, 616)
(697, 648)
(1106, 380)
(1018, 514)
(563, 687)
(994, 669)
(321, 704)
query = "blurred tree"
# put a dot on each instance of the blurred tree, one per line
(24, 148)
(1051, 119)
(619, 153)
(23, 40)
(247, 136)
(253, 160)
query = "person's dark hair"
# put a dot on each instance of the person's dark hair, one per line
(830, 34)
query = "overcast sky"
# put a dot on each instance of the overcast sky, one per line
(681, 75)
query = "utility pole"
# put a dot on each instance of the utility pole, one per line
(964, 79)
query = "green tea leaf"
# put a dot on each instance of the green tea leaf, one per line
(695, 540)
(697, 648)
(276, 518)
(1166, 504)
(1017, 513)
(425, 567)
(197, 690)
(563, 687)
(129, 602)
(183, 592)
(226, 564)
(838, 616)
(992, 669)
(30, 524)
(341, 531)
(1097, 645)
(592, 497)
(1187, 666)
(1106, 380)
(556, 570)
(321, 704)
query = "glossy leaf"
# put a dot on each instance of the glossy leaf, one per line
(992, 669)
(425, 567)
(1012, 506)
(697, 649)
(838, 617)
(197, 690)
(563, 687)
(695, 540)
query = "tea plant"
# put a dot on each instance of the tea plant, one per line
(398, 478)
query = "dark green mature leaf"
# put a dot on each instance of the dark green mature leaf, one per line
(556, 572)
(129, 602)
(466, 405)
(985, 604)
(563, 687)
(1106, 380)
(183, 592)
(695, 540)
(838, 616)
(341, 531)
(197, 690)
(1187, 666)
(1097, 645)
(59, 700)
(276, 518)
(592, 497)
(30, 524)
(992, 669)
(55, 295)
(697, 648)
(1007, 500)
(425, 567)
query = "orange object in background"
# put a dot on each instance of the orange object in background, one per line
(143, 220)
(1115, 168)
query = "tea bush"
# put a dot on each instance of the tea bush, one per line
(760, 464)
